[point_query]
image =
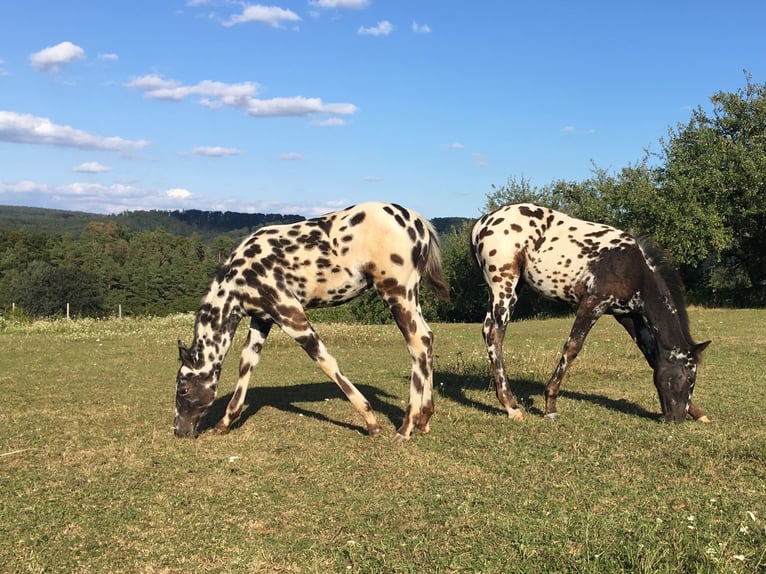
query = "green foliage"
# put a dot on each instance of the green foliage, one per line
(715, 167)
(44, 290)
(468, 292)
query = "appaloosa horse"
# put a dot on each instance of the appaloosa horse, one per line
(280, 270)
(600, 269)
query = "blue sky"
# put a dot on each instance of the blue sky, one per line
(308, 106)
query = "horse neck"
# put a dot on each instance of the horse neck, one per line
(667, 319)
(215, 324)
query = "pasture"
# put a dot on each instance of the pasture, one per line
(93, 480)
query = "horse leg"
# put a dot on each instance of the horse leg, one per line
(639, 331)
(419, 339)
(298, 327)
(587, 315)
(251, 354)
(493, 331)
(697, 413)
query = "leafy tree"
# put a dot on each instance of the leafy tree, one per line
(45, 290)
(468, 293)
(714, 182)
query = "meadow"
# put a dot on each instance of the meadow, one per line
(93, 480)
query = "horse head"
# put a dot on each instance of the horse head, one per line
(196, 387)
(674, 377)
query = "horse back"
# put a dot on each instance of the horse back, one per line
(333, 258)
(556, 254)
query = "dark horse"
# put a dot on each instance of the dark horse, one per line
(279, 271)
(600, 269)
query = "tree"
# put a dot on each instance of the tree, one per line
(45, 290)
(468, 293)
(714, 183)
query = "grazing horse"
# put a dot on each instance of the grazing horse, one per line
(281, 270)
(601, 270)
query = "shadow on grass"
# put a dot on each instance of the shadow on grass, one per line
(285, 398)
(529, 394)
(450, 385)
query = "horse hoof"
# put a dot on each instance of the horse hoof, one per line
(703, 419)
(373, 431)
(221, 429)
(552, 416)
(515, 414)
(400, 438)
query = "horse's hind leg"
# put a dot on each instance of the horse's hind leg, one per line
(498, 316)
(251, 354)
(297, 326)
(419, 339)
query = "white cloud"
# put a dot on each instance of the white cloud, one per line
(21, 187)
(158, 88)
(418, 29)
(91, 167)
(274, 16)
(240, 96)
(295, 106)
(341, 4)
(292, 156)
(52, 58)
(329, 123)
(568, 129)
(25, 128)
(214, 151)
(383, 28)
(108, 57)
(457, 145)
(178, 193)
(480, 160)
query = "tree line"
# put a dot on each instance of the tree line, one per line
(702, 198)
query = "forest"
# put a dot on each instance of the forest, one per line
(702, 198)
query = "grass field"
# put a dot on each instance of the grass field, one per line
(92, 479)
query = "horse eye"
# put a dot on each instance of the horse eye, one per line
(183, 391)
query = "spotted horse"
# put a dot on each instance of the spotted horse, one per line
(281, 270)
(601, 270)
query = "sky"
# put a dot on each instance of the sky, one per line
(304, 107)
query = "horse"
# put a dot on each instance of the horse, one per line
(601, 270)
(280, 270)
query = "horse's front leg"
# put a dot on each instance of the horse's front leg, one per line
(249, 358)
(587, 315)
(493, 331)
(697, 413)
(301, 331)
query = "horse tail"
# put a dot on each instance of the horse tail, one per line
(433, 267)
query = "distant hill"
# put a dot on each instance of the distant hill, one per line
(208, 224)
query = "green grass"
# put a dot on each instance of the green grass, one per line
(92, 479)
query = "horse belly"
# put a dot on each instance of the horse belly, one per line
(333, 287)
(558, 275)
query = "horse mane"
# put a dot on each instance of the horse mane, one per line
(668, 277)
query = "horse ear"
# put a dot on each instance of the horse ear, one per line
(185, 355)
(697, 350)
